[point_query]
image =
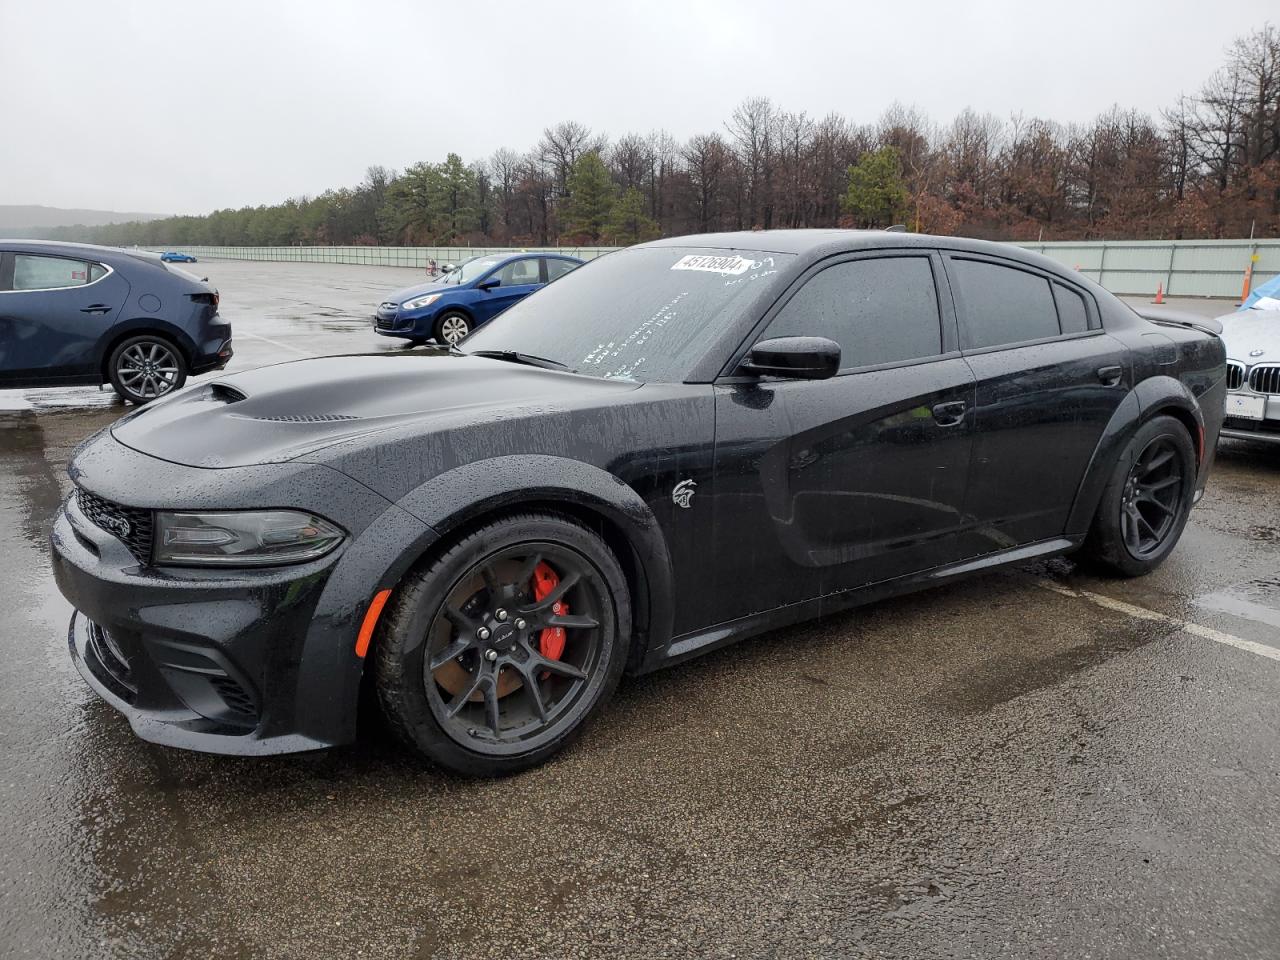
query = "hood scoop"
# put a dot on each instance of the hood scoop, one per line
(226, 393)
(305, 418)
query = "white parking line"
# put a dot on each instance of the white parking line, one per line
(275, 343)
(1141, 613)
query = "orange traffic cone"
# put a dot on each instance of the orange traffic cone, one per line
(1159, 293)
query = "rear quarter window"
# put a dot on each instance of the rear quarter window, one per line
(1072, 314)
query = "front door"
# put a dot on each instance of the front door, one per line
(822, 486)
(517, 280)
(53, 312)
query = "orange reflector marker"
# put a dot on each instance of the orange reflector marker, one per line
(371, 621)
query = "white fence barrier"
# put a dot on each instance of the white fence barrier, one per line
(1185, 268)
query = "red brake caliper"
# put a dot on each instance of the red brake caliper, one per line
(551, 641)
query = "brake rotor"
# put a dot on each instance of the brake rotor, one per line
(453, 676)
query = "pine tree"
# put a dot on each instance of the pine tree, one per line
(628, 222)
(592, 195)
(876, 195)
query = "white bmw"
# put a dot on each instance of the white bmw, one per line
(1252, 337)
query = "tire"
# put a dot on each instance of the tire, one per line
(452, 327)
(461, 680)
(1146, 502)
(146, 367)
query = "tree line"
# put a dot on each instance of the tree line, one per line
(1207, 166)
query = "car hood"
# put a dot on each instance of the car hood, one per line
(408, 293)
(1246, 331)
(282, 412)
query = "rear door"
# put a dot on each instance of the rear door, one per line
(1048, 381)
(825, 485)
(53, 312)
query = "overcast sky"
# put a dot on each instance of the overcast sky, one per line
(188, 106)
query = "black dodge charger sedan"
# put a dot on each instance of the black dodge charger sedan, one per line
(669, 449)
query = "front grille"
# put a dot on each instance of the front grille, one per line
(1235, 376)
(1265, 378)
(130, 525)
(386, 323)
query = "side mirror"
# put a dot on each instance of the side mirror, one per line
(793, 358)
(489, 284)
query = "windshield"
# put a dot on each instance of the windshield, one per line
(643, 314)
(469, 270)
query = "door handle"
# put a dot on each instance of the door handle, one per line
(97, 308)
(1110, 376)
(949, 414)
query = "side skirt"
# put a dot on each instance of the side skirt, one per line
(690, 645)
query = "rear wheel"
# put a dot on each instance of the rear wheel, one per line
(452, 327)
(145, 368)
(1146, 503)
(490, 659)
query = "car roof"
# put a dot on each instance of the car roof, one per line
(816, 244)
(89, 250)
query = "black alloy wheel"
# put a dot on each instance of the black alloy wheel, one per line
(1152, 498)
(1146, 502)
(494, 655)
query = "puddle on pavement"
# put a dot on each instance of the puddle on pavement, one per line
(1258, 600)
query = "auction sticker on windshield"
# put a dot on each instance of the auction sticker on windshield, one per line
(731, 266)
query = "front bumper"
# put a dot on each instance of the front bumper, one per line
(245, 661)
(1240, 428)
(198, 661)
(410, 327)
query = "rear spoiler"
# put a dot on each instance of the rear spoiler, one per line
(1179, 318)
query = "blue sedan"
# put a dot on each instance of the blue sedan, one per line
(448, 309)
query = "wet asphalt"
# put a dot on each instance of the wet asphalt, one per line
(991, 769)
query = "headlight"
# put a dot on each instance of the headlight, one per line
(243, 538)
(419, 302)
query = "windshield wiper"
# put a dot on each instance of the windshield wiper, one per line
(515, 356)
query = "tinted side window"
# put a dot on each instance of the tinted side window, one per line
(47, 273)
(1002, 305)
(558, 268)
(880, 310)
(1072, 315)
(520, 272)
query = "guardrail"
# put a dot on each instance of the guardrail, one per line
(1185, 268)
(415, 257)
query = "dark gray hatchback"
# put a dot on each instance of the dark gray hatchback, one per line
(75, 313)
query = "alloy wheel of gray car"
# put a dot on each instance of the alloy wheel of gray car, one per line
(452, 328)
(491, 658)
(144, 368)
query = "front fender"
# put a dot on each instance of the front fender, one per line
(460, 496)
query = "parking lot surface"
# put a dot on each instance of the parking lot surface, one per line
(1035, 763)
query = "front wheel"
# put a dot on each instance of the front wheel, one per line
(491, 658)
(145, 368)
(452, 328)
(1147, 501)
